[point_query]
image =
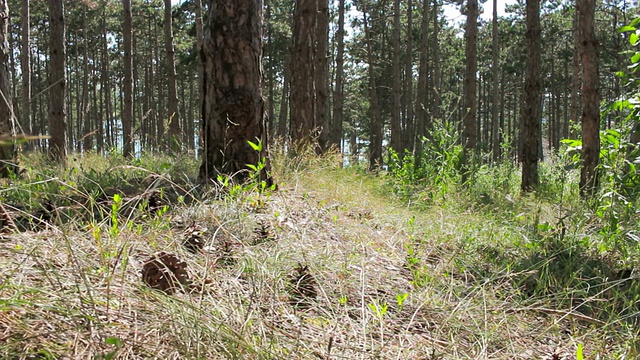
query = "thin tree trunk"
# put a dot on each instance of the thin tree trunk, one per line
(87, 141)
(421, 95)
(322, 74)
(25, 64)
(590, 98)
(575, 74)
(57, 81)
(407, 138)
(174, 115)
(284, 104)
(335, 134)
(395, 109)
(6, 103)
(495, 103)
(375, 127)
(436, 63)
(469, 133)
(199, 42)
(127, 117)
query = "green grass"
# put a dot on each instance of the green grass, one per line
(435, 273)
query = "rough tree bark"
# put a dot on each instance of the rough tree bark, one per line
(495, 105)
(532, 106)
(303, 115)
(25, 66)
(57, 82)
(335, 133)
(321, 73)
(172, 101)
(395, 109)
(233, 107)
(469, 132)
(127, 116)
(6, 104)
(375, 127)
(590, 98)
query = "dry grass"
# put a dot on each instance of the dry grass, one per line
(74, 290)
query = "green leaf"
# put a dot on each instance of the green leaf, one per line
(579, 354)
(636, 57)
(252, 167)
(633, 38)
(626, 28)
(256, 147)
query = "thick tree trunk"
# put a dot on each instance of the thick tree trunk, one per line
(57, 82)
(127, 117)
(335, 133)
(233, 108)
(469, 132)
(303, 121)
(174, 115)
(590, 98)
(532, 108)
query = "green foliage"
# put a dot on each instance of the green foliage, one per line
(431, 174)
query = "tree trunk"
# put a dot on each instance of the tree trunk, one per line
(174, 115)
(57, 82)
(407, 138)
(335, 133)
(303, 114)
(233, 109)
(87, 143)
(421, 95)
(395, 109)
(495, 103)
(25, 64)
(322, 74)
(127, 117)
(375, 127)
(6, 104)
(532, 108)
(436, 63)
(199, 42)
(284, 104)
(575, 74)
(469, 133)
(590, 98)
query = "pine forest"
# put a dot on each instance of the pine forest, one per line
(345, 179)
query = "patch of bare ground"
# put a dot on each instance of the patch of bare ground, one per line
(327, 267)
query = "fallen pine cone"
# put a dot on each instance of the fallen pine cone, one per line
(165, 272)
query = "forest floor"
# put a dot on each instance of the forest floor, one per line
(330, 266)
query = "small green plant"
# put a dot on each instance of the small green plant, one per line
(400, 299)
(114, 230)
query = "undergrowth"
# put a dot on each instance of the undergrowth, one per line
(336, 263)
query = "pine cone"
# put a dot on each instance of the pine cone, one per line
(194, 241)
(165, 272)
(303, 287)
